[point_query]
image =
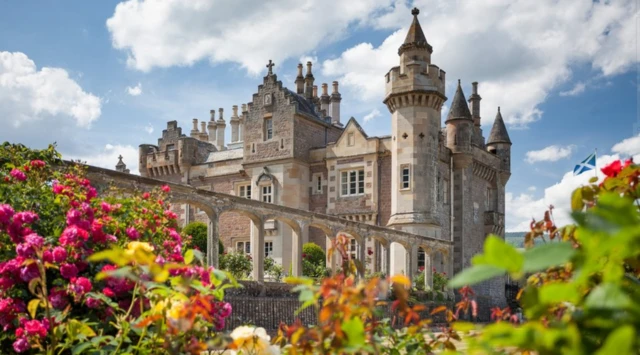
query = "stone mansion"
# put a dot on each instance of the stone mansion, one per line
(291, 147)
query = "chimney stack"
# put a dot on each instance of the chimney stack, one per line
(235, 122)
(221, 124)
(243, 120)
(335, 104)
(300, 80)
(315, 91)
(194, 132)
(308, 82)
(203, 131)
(325, 99)
(212, 127)
(474, 102)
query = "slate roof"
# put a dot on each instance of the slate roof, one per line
(459, 107)
(415, 37)
(304, 106)
(499, 132)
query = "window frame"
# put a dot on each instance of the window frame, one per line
(355, 179)
(404, 167)
(269, 194)
(244, 190)
(268, 128)
(268, 248)
(243, 246)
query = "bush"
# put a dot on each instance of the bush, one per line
(313, 261)
(273, 269)
(198, 232)
(81, 273)
(237, 264)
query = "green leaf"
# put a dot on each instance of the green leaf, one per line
(558, 292)
(500, 254)
(576, 200)
(608, 296)
(619, 342)
(188, 257)
(547, 255)
(33, 307)
(80, 348)
(593, 180)
(474, 275)
(355, 332)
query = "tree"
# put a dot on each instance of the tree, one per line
(313, 261)
(198, 232)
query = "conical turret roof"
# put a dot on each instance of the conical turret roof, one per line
(415, 37)
(499, 132)
(459, 109)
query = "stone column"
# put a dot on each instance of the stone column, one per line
(296, 249)
(257, 244)
(428, 271)
(376, 256)
(411, 261)
(362, 256)
(213, 237)
(387, 259)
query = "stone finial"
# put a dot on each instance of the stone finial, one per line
(213, 114)
(270, 66)
(415, 11)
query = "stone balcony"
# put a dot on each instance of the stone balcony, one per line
(494, 222)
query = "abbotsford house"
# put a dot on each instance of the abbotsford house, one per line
(290, 147)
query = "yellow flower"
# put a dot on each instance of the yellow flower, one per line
(139, 246)
(175, 316)
(251, 340)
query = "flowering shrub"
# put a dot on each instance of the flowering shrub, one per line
(273, 269)
(581, 294)
(313, 261)
(237, 264)
(80, 273)
(198, 233)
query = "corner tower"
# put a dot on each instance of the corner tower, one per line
(414, 96)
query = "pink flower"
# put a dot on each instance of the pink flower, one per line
(58, 188)
(6, 283)
(29, 272)
(18, 175)
(26, 217)
(92, 302)
(25, 250)
(133, 233)
(73, 236)
(84, 283)
(34, 240)
(146, 195)
(59, 254)
(105, 207)
(225, 310)
(47, 256)
(170, 214)
(91, 193)
(35, 328)
(166, 188)
(58, 298)
(108, 292)
(6, 212)
(21, 345)
(37, 163)
(68, 271)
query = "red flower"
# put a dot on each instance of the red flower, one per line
(166, 188)
(369, 251)
(37, 163)
(146, 195)
(18, 175)
(613, 169)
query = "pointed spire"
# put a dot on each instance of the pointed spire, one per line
(415, 37)
(459, 109)
(498, 131)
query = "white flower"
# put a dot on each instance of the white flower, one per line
(251, 340)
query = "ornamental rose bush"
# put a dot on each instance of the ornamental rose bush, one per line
(81, 273)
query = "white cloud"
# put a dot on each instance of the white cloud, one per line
(27, 93)
(108, 157)
(550, 153)
(519, 50)
(135, 90)
(149, 128)
(520, 209)
(178, 33)
(371, 115)
(577, 90)
(532, 188)
(629, 146)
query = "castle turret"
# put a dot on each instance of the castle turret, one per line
(459, 130)
(414, 96)
(212, 125)
(220, 126)
(499, 144)
(234, 122)
(300, 80)
(335, 104)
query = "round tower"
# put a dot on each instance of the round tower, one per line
(499, 144)
(414, 96)
(460, 130)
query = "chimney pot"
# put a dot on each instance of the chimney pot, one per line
(213, 114)
(235, 110)
(195, 124)
(324, 89)
(475, 87)
(221, 110)
(335, 87)
(244, 108)
(309, 68)
(299, 69)
(315, 91)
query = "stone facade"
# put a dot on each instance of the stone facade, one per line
(289, 148)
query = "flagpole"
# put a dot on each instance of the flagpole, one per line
(595, 155)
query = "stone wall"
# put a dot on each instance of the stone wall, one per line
(384, 200)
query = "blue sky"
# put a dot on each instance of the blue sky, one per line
(564, 72)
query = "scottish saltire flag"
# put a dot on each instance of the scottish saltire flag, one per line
(586, 165)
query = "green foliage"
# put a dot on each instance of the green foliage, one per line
(313, 261)
(237, 264)
(198, 232)
(273, 269)
(582, 288)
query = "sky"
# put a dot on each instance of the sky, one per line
(101, 77)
